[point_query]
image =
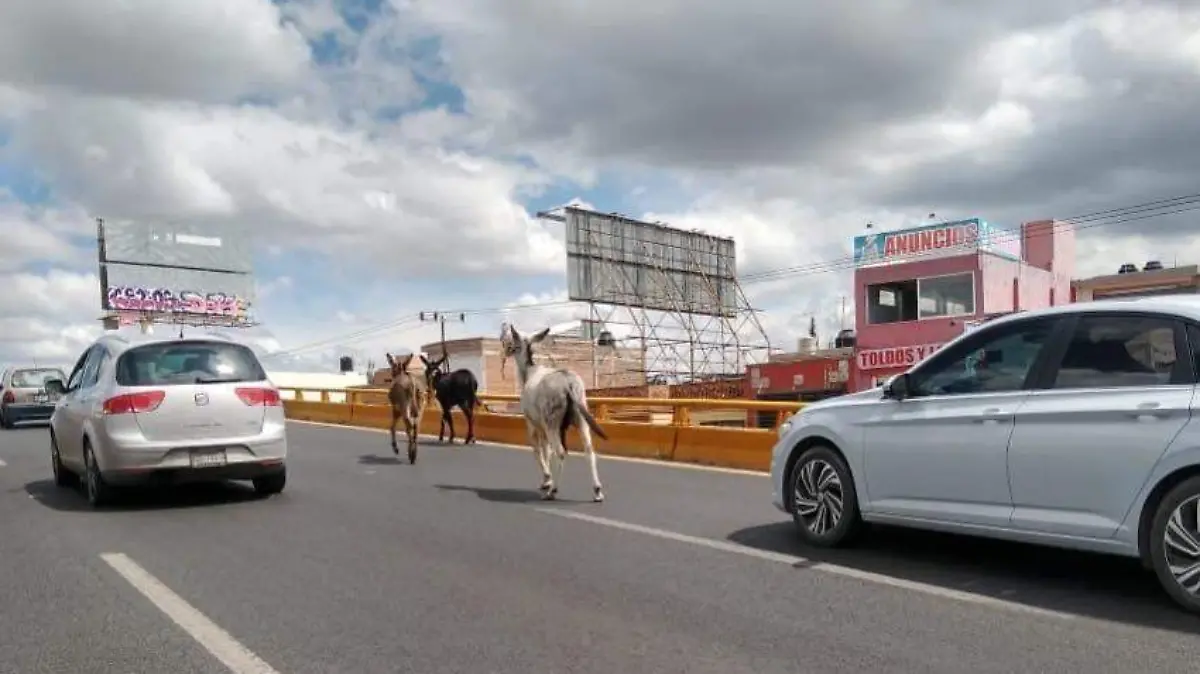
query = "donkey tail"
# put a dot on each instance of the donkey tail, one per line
(584, 412)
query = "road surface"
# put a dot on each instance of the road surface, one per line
(367, 565)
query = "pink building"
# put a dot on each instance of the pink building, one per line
(915, 289)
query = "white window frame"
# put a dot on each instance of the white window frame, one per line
(974, 300)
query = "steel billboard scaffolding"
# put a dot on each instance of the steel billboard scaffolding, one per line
(677, 289)
(193, 275)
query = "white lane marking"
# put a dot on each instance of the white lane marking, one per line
(575, 454)
(231, 653)
(783, 558)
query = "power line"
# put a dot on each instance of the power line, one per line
(1086, 221)
(1103, 218)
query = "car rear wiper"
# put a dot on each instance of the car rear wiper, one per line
(218, 380)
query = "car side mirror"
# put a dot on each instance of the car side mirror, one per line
(55, 386)
(897, 388)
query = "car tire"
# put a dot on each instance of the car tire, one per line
(97, 491)
(269, 485)
(820, 481)
(1175, 544)
(4, 422)
(62, 476)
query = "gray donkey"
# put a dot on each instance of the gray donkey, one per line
(408, 401)
(552, 401)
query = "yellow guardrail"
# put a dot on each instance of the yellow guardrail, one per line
(731, 433)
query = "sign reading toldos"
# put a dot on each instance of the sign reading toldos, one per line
(944, 239)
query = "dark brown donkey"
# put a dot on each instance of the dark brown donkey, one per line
(407, 397)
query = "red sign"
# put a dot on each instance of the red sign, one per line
(920, 242)
(894, 357)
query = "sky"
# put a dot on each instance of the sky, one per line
(389, 156)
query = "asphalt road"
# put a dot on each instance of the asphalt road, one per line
(367, 565)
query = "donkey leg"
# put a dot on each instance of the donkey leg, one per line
(448, 422)
(539, 454)
(557, 455)
(585, 434)
(469, 413)
(395, 418)
(442, 426)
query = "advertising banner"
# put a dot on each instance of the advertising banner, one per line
(944, 239)
(895, 357)
(177, 291)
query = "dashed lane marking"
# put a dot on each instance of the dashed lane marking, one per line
(222, 645)
(793, 560)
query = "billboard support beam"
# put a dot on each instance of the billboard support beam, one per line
(678, 289)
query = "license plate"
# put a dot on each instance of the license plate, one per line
(208, 458)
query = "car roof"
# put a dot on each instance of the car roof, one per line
(120, 342)
(1183, 305)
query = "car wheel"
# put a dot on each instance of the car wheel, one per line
(269, 485)
(4, 422)
(62, 477)
(1175, 544)
(97, 491)
(824, 502)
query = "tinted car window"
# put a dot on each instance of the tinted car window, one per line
(996, 360)
(188, 363)
(35, 378)
(1119, 351)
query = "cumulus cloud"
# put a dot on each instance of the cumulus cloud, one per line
(403, 144)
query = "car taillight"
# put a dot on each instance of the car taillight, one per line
(259, 397)
(9, 397)
(135, 403)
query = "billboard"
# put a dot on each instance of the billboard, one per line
(195, 246)
(616, 260)
(943, 239)
(176, 291)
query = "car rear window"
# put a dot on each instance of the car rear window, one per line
(181, 363)
(35, 378)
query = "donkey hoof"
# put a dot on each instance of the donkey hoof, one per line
(549, 495)
(598, 496)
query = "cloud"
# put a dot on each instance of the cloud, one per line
(216, 50)
(388, 159)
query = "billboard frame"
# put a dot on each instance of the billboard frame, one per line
(676, 288)
(173, 306)
(616, 260)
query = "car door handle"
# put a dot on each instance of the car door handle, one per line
(993, 415)
(1149, 411)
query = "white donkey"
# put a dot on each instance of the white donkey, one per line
(552, 400)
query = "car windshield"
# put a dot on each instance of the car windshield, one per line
(35, 378)
(182, 363)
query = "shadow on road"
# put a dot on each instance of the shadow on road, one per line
(505, 495)
(1097, 586)
(383, 460)
(69, 499)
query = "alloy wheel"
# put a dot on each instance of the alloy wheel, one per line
(819, 497)
(1181, 545)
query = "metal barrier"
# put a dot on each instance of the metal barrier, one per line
(732, 433)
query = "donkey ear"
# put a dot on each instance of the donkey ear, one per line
(425, 361)
(539, 336)
(391, 360)
(407, 359)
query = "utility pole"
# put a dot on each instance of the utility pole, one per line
(441, 317)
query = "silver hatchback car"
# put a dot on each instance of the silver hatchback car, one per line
(23, 395)
(154, 410)
(1076, 427)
